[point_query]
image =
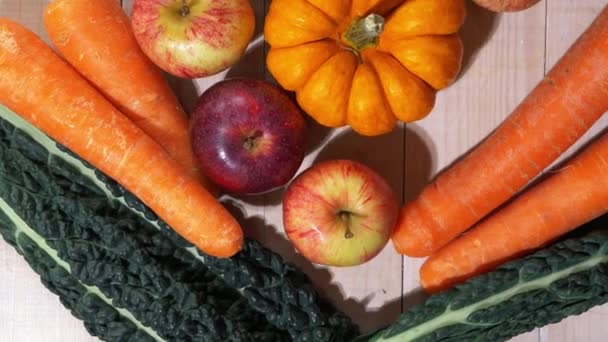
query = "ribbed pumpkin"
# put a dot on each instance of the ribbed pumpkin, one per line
(365, 63)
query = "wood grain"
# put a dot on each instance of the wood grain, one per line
(506, 55)
(26, 12)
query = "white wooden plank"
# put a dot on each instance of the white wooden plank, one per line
(566, 20)
(504, 60)
(26, 12)
(28, 311)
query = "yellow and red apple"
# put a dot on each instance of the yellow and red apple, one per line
(339, 213)
(193, 38)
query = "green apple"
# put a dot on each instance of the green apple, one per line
(339, 213)
(193, 38)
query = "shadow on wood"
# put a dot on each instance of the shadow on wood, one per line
(384, 154)
(391, 311)
(271, 198)
(185, 90)
(249, 66)
(253, 63)
(317, 135)
(478, 28)
(370, 320)
(413, 298)
(420, 160)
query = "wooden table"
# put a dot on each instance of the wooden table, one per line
(506, 55)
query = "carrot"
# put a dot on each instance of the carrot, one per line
(38, 85)
(95, 37)
(574, 195)
(552, 118)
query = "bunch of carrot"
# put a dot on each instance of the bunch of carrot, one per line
(126, 121)
(572, 96)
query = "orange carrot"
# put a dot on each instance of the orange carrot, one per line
(38, 85)
(96, 38)
(575, 195)
(552, 118)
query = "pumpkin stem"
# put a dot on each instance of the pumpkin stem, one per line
(363, 33)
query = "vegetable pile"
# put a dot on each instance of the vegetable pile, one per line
(119, 268)
(101, 194)
(126, 274)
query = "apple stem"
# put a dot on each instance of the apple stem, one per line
(185, 10)
(249, 142)
(345, 216)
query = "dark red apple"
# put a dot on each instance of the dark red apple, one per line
(248, 136)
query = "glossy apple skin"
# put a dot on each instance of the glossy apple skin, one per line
(208, 37)
(233, 111)
(312, 208)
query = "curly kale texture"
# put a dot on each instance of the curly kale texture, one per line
(126, 274)
(565, 279)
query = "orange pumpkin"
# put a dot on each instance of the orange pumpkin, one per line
(365, 63)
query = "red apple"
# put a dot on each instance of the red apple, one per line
(339, 213)
(193, 38)
(248, 136)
